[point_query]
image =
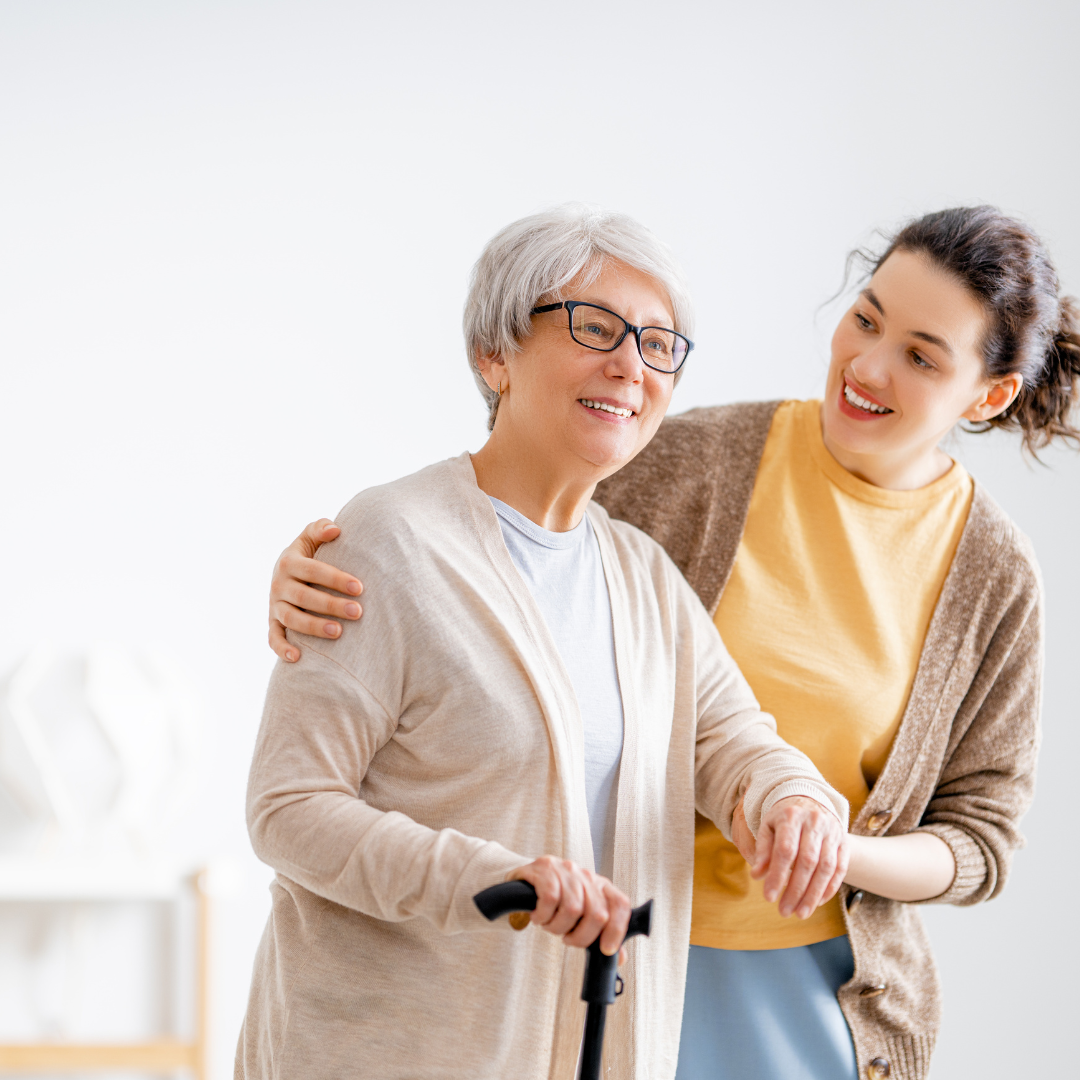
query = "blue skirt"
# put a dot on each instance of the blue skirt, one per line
(768, 1014)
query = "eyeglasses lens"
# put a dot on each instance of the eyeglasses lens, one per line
(662, 349)
(597, 328)
(600, 329)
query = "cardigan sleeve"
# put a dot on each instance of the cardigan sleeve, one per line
(307, 818)
(988, 780)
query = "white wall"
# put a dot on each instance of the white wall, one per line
(234, 240)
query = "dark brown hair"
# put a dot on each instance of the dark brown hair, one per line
(1031, 329)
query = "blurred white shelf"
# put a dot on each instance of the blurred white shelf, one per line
(81, 880)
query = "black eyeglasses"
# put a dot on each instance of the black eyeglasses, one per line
(598, 328)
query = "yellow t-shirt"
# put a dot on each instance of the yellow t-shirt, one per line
(830, 598)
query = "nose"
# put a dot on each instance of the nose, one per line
(625, 362)
(871, 367)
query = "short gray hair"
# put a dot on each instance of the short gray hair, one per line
(537, 257)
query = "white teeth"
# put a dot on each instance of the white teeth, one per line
(861, 403)
(626, 413)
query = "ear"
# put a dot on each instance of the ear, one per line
(995, 398)
(494, 370)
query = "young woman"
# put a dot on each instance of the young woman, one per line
(567, 710)
(884, 609)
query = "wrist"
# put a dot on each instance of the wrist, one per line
(857, 854)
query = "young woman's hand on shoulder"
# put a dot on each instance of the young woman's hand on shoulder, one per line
(296, 605)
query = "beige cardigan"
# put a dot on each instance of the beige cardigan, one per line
(436, 746)
(962, 764)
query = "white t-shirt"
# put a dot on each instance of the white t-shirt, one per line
(566, 578)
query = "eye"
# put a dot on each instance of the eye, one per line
(919, 361)
(863, 322)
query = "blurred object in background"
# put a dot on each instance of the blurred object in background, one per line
(102, 936)
(97, 753)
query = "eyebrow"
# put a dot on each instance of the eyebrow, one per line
(597, 303)
(872, 297)
(931, 339)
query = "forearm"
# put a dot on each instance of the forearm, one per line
(917, 866)
(383, 864)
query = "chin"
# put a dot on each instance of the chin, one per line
(609, 456)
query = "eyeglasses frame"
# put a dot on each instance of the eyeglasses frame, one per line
(629, 327)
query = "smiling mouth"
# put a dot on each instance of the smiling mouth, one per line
(601, 407)
(862, 404)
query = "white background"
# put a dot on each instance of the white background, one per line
(234, 241)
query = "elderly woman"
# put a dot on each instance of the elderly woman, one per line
(536, 694)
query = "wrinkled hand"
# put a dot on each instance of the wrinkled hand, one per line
(294, 604)
(801, 850)
(577, 904)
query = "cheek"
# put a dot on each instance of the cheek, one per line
(844, 344)
(926, 403)
(658, 391)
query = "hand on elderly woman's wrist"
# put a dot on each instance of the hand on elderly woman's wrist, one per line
(801, 851)
(295, 605)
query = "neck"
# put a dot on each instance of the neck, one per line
(908, 470)
(549, 494)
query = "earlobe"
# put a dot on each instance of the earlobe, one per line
(493, 369)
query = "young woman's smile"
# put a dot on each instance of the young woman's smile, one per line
(858, 403)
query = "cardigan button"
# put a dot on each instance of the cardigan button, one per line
(854, 899)
(878, 1069)
(872, 991)
(877, 822)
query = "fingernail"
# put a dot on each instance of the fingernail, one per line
(290, 656)
(331, 629)
(354, 587)
(353, 611)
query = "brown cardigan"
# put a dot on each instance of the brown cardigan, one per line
(962, 765)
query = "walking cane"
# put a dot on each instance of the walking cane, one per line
(601, 972)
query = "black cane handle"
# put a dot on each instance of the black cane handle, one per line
(511, 896)
(504, 898)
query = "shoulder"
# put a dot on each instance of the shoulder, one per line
(690, 454)
(702, 441)
(721, 422)
(993, 538)
(402, 519)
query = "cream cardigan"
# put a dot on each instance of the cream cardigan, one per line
(436, 746)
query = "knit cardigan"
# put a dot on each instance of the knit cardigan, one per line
(962, 765)
(436, 746)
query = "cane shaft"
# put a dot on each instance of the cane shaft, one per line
(592, 1048)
